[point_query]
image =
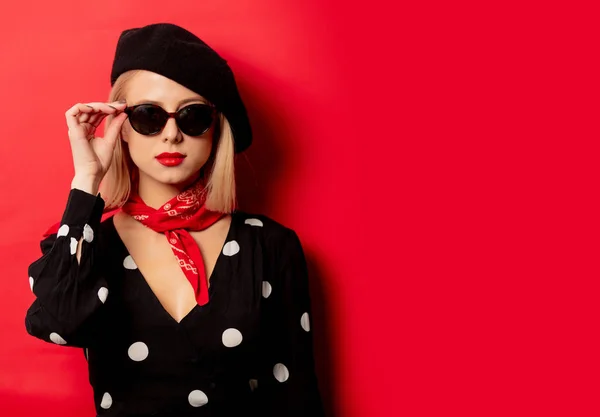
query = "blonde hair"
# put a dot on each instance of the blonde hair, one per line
(220, 188)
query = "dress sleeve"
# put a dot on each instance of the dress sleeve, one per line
(287, 384)
(69, 294)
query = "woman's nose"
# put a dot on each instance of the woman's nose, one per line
(171, 131)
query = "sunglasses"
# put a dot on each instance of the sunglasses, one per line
(150, 119)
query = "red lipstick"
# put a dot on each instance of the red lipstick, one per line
(170, 159)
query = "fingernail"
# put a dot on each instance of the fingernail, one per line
(111, 107)
(122, 101)
(89, 106)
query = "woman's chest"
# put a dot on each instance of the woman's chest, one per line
(175, 264)
(225, 328)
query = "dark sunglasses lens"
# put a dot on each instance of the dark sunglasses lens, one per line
(195, 119)
(148, 119)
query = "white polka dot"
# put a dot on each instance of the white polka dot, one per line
(106, 401)
(253, 384)
(102, 294)
(73, 246)
(197, 398)
(88, 233)
(266, 289)
(138, 351)
(281, 372)
(231, 248)
(56, 338)
(31, 283)
(128, 263)
(254, 222)
(63, 231)
(305, 322)
(232, 337)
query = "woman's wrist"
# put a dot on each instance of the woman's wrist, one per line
(85, 183)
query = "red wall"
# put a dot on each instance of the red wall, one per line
(438, 160)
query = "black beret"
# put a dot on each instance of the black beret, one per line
(178, 54)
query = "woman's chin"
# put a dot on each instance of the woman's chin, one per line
(177, 177)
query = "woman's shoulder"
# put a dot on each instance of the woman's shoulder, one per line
(110, 240)
(279, 241)
(270, 229)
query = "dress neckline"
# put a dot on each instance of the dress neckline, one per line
(213, 279)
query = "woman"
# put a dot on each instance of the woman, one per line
(184, 305)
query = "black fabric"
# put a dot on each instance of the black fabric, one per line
(141, 361)
(178, 54)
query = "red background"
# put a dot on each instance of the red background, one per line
(437, 159)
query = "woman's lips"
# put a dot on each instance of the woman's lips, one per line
(170, 159)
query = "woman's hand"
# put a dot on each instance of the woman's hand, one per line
(92, 155)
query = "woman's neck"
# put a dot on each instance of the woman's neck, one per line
(155, 193)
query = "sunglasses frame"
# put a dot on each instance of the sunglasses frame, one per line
(129, 110)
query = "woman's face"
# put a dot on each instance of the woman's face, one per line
(149, 87)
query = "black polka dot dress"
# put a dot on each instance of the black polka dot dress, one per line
(247, 352)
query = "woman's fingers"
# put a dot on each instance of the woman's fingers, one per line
(107, 108)
(92, 113)
(104, 147)
(112, 130)
(72, 116)
(102, 110)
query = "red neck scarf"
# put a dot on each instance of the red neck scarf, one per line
(184, 212)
